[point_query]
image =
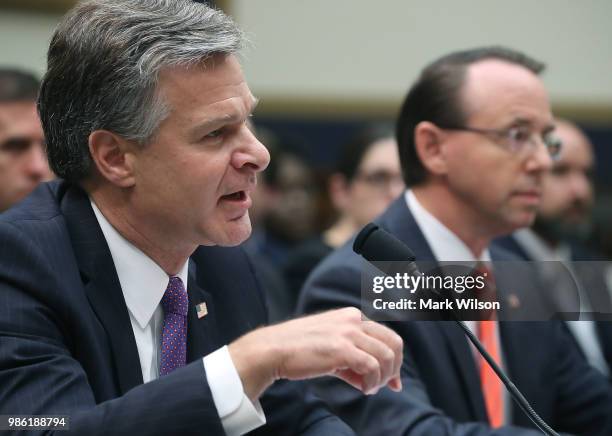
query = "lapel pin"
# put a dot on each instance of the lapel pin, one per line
(513, 301)
(201, 310)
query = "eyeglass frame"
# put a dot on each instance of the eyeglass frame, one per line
(553, 148)
(374, 179)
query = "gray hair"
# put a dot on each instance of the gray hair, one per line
(103, 66)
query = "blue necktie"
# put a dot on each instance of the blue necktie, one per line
(174, 333)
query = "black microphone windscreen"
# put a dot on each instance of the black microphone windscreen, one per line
(377, 245)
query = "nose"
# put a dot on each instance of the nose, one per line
(581, 186)
(37, 165)
(251, 154)
(396, 187)
(540, 160)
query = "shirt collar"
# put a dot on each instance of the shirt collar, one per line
(445, 245)
(143, 282)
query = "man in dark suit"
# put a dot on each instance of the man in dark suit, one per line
(474, 136)
(117, 310)
(560, 226)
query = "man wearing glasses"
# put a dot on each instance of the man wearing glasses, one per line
(475, 137)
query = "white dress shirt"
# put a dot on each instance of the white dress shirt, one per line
(143, 283)
(447, 247)
(583, 329)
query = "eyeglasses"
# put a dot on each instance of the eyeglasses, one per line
(518, 139)
(381, 179)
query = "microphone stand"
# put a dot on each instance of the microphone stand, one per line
(401, 251)
(510, 386)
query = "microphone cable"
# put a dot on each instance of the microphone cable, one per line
(377, 245)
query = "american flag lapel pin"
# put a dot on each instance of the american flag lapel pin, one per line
(514, 301)
(201, 310)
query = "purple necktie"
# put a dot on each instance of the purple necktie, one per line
(174, 333)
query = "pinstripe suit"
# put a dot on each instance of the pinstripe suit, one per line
(66, 343)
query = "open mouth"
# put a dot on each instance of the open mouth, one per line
(236, 196)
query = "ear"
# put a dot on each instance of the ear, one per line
(428, 140)
(113, 157)
(338, 191)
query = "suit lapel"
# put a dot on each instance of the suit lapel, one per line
(465, 365)
(102, 286)
(201, 331)
(399, 220)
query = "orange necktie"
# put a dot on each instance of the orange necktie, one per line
(492, 387)
(491, 384)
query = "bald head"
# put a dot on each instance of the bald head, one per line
(516, 90)
(574, 140)
(567, 194)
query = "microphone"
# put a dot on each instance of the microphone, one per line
(378, 245)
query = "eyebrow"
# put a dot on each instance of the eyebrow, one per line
(526, 122)
(16, 142)
(223, 119)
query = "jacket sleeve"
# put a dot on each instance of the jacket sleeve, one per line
(584, 395)
(290, 407)
(408, 412)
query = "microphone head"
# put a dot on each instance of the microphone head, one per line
(363, 236)
(378, 245)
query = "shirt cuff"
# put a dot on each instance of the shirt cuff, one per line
(238, 414)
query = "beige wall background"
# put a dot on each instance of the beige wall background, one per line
(362, 55)
(24, 38)
(348, 57)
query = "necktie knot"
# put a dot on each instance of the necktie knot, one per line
(481, 269)
(175, 298)
(488, 292)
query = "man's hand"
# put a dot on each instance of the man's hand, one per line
(365, 354)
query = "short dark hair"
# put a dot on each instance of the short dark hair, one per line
(281, 147)
(353, 150)
(435, 97)
(17, 85)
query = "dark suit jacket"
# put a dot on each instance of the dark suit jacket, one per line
(442, 393)
(589, 269)
(67, 346)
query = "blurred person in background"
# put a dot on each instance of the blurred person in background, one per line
(280, 302)
(288, 197)
(561, 225)
(23, 163)
(367, 179)
(567, 199)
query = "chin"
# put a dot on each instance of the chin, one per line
(235, 232)
(525, 219)
(508, 223)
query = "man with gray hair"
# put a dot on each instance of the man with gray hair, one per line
(23, 163)
(125, 306)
